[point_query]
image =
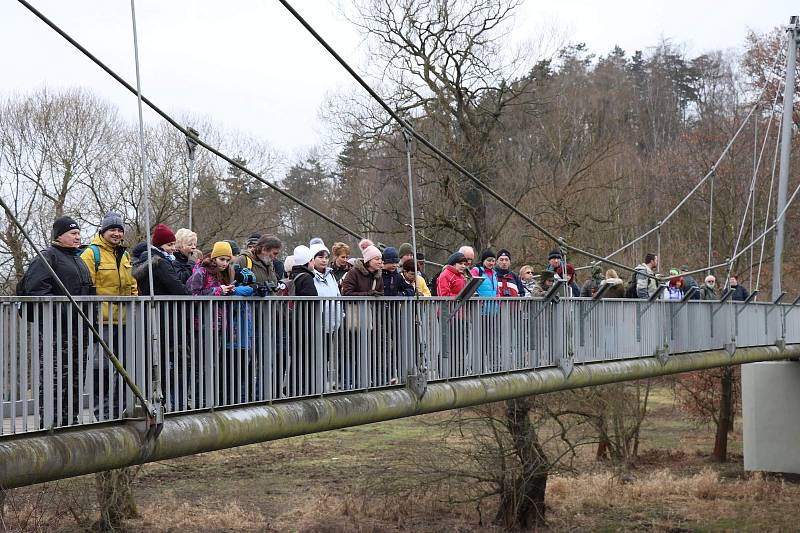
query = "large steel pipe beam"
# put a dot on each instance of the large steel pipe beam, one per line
(36, 458)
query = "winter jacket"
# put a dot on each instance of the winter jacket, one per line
(422, 287)
(182, 266)
(508, 284)
(645, 286)
(338, 273)
(166, 280)
(327, 285)
(529, 285)
(205, 280)
(69, 268)
(361, 282)
(450, 282)
(590, 286)
(708, 293)
(112, 276)
(487, 289)
(303, 284)
(616, 289)
(740, 294)
(265, 272)
(538, 291)
(394, 284)
(688, 283)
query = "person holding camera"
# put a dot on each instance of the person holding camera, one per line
(261, 261)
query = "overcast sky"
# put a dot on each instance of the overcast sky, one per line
(250, 67)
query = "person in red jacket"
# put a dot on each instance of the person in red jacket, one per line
(453, 278)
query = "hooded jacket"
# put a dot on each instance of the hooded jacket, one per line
(359, 281)
(166, 280)
(206, 280)
(616, 288)
(508, 284)
(450, 282)
(113, 276)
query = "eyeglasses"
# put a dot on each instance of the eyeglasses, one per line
(711, 282)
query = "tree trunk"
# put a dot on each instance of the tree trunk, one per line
(522, 504)
(725, 422)
(115, 498)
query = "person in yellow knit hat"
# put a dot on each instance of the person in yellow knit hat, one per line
(109, 266)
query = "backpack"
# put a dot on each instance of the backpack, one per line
(630, 290)
(96, 252)
(21, 290)
(291, 289)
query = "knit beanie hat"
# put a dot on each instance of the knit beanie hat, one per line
(555, 254)
(318, 247)
(162, 234)
(363, 244)
(234, 247)
(487, 254)
(504, 253)
(62, 225)
(110, 221)
(302, 255)
(252, 240)
(221, 249)
(405, 249)
(455, 258)
(391, 256)
(370, 252)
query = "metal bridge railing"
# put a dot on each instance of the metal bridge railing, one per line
(214, 352)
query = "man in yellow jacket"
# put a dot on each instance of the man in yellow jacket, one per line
(109, 265)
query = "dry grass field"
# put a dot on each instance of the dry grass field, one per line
(326, 483)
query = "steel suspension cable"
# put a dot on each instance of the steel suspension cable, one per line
(754, 241)
(706, 177)
(107, 351)
(769, 200)
(182, 129)
(750, 195)
(433, 148)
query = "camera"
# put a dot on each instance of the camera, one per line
(268, 288)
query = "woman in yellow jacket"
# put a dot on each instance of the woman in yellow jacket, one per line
(111, 269)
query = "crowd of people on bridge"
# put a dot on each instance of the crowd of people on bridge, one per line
(107, 267)
(175, 267)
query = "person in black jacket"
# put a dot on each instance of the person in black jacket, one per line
(185, 254)
(166, 282)
(303, 284)
(166, 278)
(63, 255)
(394, 284)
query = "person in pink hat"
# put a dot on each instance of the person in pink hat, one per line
(365, 278)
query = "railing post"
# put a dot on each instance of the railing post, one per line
(363, 341)
(445, 324)
(320, 356)
(208, 328)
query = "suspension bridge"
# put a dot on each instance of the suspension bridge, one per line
(198, 374)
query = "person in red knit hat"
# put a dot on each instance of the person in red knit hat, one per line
(165, 278)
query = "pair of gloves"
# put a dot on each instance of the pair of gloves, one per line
(243, 290)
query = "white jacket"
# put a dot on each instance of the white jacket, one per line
(327, 286)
